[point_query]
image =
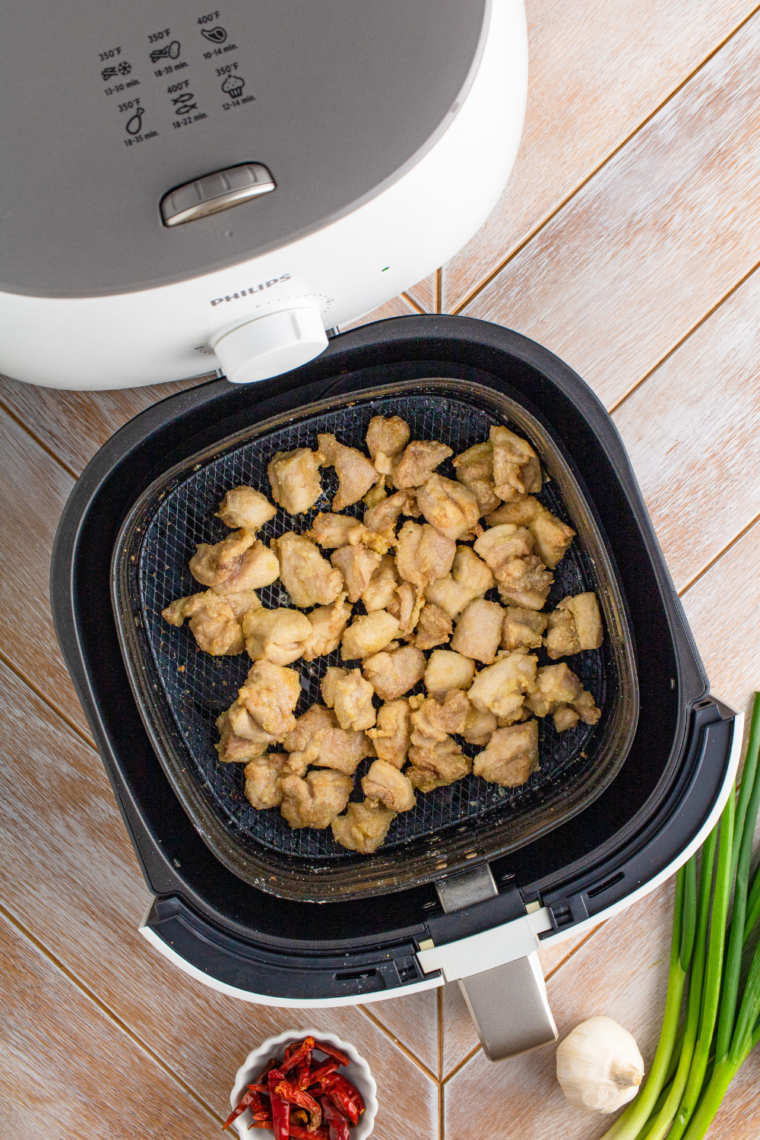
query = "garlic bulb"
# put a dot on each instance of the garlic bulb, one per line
(599, 1065)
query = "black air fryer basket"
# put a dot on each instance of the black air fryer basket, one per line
(612, 806)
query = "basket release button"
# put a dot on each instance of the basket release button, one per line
(215, 192)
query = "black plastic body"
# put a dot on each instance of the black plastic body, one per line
(634, 831)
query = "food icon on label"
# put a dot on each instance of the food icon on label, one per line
(134, 125)
(233, 86)
(184, 103)
(108, 73)
(171, 51)
(125, 68)
(215, 35)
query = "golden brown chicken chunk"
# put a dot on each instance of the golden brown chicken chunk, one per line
(333, 531)
(236, 749)
(278, 635)
(314, 801)
(576, 624)
(551, 536)
(406, 606)
(239, 721)
(433, 628)
(523, 628)
(418, 463)
(437, 764)
(346, 691)
(382, 518)
(448, 506)
(327, 625)
(243, 507)
(557, 686)
(368, 634)
(391, 735)
(237, 563)
(387, 436)
(381, 588)
(270, 694)
(474, 469)
(500, 544)
(363, 828)
(448, 670)
(470, 578)
(511, 755)
(384, 784)
(525, 582)
(433, 720)
(294, 478)
(516, 469)
(242, 602)
(262, 780)
(212, 621)
(394, 673)
(306, 575)
(479, 630)
(355, 472)
(318, 739)
(423, 554)
(479, 726)
(357, 565)
(501, 688)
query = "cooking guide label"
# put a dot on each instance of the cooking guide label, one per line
(173, 77)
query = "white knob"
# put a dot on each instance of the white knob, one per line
(271, 344)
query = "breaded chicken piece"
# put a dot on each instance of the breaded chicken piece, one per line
(418, 462)
(406, 606)
(575, 625)
(500, 544)
(474, 469)
(368, 634)
(363, 828)
(241, 602)
(270, 694)
(355, 472)
(423, 554)
(327, 625)
(525, 582)
(346, 691)
(393, 673)
(436, 765)
(448, 670)
(387, 436)
(516, 468)
(470, 578)
(433, 720)
(318, 739)
(234, 749)
(392, 733)
(523, 628)
(479, 631)
(238, 720)
(215, 627)
(510, 756)
(237, 563)
(501, 688)
(448, 506)
(262, 780)
(357, 565)
(551, 536)
(382, 518)
(479, 726)
(376, 493)
(314, 801)
(308, 577)
(279, 635)
(294, 478)
(243, 507)
(557, 686)
(381, 588)
(384, 784)
(334, 531)
(433, 628)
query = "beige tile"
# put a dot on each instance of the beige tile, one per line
(425, 293)
(413, 1022)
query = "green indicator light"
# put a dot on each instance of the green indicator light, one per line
(386, 269)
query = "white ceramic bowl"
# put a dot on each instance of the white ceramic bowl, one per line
(357, 1073)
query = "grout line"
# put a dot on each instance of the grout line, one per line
(399, 1044)
(438, 291)
(461, 1064)
(439, 1020)
(686, 336)
(477, 289)
(415, 304)
(571, 953)
(17, 420)
(701, 573)
(441, 1113)
(53, 708)
(105, 1010)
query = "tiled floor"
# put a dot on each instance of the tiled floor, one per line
(627, 241)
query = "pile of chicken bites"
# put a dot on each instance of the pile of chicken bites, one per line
(402, 594)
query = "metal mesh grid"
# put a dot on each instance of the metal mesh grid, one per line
(198, 687)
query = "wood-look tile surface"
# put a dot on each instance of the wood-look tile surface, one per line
(595, 75)
(654, 240)
(413, 1022)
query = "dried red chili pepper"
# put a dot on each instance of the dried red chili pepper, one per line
(280, 1107)
(318, 1075)
(293, 1095)
(303, 1134)
(303, 1075)
(337, 1125)
(331, 1051)
(343, 1094)
(297, 1053)
(251, 1099)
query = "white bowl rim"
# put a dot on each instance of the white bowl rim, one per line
(242, 1078)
